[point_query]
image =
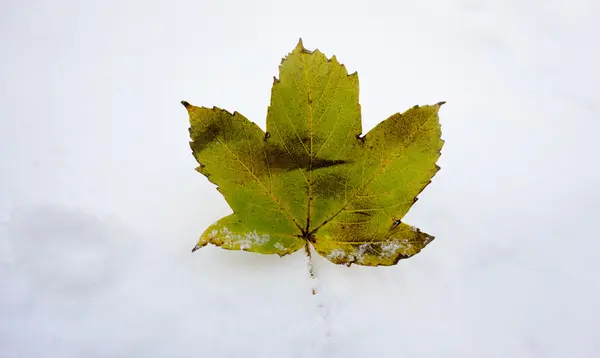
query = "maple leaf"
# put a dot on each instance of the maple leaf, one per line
(312, 179)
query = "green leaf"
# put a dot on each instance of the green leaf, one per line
(232, 234)
(312, 178)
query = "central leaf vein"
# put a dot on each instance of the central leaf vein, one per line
(310, 136)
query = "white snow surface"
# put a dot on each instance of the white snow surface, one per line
(100, 204)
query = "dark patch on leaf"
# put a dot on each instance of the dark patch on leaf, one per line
(279, 158)
(330, 185)
(319, 163)
(202, 137)
(305, 141)
(362, 213)
(400, 257)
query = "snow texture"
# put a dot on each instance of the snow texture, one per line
(100, 204)
(245, 241)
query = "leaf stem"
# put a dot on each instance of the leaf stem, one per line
(309, 264)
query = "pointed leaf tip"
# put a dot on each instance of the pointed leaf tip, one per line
(196, 248)
(186, 104)
(300, 47)
(428, 239)
(439, 104)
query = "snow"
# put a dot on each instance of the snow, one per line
(336, 254)
(246, 240)
(389, 249)
(100, 204)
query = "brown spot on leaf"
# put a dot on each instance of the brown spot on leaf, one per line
(319, 163)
